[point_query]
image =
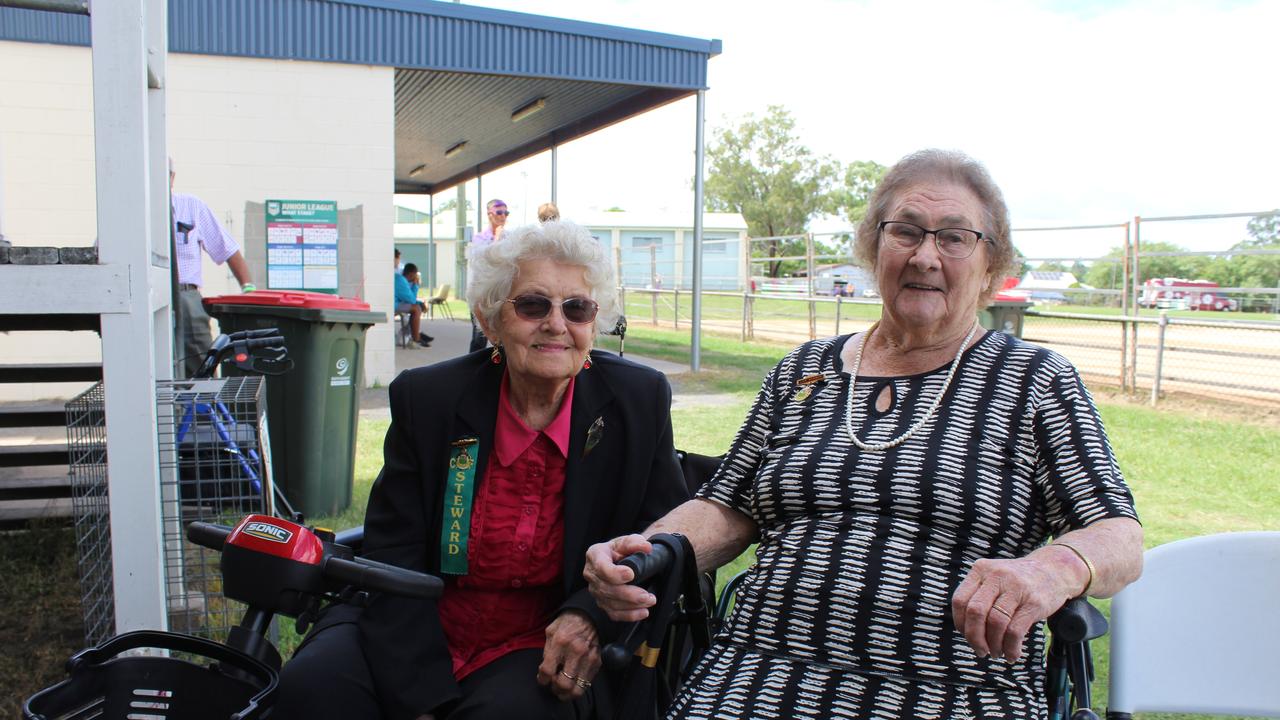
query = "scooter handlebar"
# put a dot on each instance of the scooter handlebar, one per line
(371, 575)
(208, 535)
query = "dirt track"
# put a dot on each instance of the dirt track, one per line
(1241, 363)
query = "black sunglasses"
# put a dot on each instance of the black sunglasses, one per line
(499, 212)
(578, 311)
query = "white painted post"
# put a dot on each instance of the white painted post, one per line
(128, 129)
(699, 153)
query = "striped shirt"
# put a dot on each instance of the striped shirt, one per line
(205, 232)
(861, 551)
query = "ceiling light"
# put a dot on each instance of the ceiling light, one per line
(417, 171)
(455, 149)
(528, 109)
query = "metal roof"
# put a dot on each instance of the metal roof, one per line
(461, 71)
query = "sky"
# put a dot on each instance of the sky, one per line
(1086, 112)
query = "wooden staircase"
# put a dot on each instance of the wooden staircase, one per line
(34, 471)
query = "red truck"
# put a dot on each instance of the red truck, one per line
(1181, 294)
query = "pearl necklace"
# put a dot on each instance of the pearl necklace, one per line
(853, 382)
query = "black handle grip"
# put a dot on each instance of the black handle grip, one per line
(647, 565)
(371, 575)
(1078, 621)
(208, 535)
(247, 334)
(274, 341)
(615, 656)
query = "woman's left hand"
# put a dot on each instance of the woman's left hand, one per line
(571, 657)
(1000, 600)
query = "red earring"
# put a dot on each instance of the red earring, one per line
(496, 355)
(586, 363)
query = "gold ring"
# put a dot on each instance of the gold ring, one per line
(1002, 611)
(571, 677)
(584, 684)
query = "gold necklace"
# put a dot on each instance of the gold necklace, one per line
(933, 407)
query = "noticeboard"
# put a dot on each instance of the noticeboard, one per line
(302, 245)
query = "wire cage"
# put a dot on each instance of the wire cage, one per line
(214, 467)
(87, 450)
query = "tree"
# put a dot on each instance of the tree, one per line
(1264, 231)
(860, 178)
(761, 170)
(1105, 273)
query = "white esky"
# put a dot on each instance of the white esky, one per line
(1086, 112)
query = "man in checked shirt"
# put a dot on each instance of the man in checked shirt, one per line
(195, 227)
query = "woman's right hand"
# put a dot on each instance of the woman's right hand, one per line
(608, 581)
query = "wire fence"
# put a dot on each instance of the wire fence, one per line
(1217, 359)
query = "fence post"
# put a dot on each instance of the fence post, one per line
(751, 317)
(675, 308)
(746, 300)
(1124, 356)
(839, 303)
(622, 298)
(809, 270)
(653, 306)
(1155, 384)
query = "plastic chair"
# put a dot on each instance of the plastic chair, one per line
(1197, 632)
(405, 329)
(441, 299)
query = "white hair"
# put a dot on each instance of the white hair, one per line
(494, 268)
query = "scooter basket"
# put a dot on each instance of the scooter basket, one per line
(102, 685)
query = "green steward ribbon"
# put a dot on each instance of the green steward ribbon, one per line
(459, 488)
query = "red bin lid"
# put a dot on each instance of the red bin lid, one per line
(290, 299)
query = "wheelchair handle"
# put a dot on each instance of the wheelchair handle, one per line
(1078, 621)
(647, 565)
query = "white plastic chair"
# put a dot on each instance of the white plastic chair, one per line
(1199, 632)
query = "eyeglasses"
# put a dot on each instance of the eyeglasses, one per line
(952, 242)
(499, 212)
(578, 311)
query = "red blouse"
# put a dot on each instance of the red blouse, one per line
(512, 588)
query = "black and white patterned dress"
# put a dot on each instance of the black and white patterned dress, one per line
(847, 613)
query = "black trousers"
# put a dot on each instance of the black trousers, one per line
(328, 678)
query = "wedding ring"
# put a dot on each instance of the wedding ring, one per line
(571, 677)
(1002, 611)
(584, 684)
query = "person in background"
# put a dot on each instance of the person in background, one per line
(498, 213)
(195, 228)
(399, 262)
(499, 469)
(407, 301)
(548, 212)
(925, 493)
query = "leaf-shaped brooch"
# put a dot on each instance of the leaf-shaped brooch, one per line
(593, 435)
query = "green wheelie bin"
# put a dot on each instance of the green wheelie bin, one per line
(315, 405)
(1005, 315)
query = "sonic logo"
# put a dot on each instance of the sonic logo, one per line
(267, 531)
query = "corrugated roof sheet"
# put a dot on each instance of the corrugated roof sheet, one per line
(420, 34)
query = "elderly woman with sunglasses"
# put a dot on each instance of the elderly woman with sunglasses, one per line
(904, 484)
(500, 468)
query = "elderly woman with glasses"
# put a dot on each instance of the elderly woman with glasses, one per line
(500, 468)
(924, 494)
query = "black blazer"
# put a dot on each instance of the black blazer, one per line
(629, 479)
